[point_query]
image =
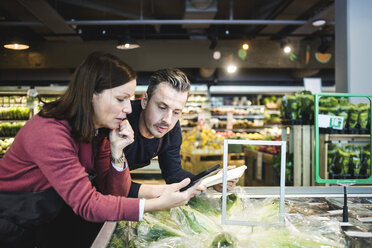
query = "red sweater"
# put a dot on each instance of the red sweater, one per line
(44, 155)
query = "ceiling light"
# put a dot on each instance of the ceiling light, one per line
(245, 46)
(16, 43)
(231, 68)
(216, 55)
(319, 23)
(127, 44)
(285, 45)
(287, 49)
(17, 46)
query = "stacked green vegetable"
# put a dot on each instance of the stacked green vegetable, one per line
(198, 225)
(349, 161)
(15, 113)
(8, 129)
(5, 144)
(298, 107)
(355, 116)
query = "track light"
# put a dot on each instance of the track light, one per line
(287, 49)
(231, 68)
(319, 23)
(285, 46)
(245, 46)
(216, 55)
(324, 45)
(16, 43)
(213, 44)
(127, 44)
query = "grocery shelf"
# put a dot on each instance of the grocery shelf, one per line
(239, 116)
(13, 120)
(240, 106)
(188, 117)
(245, 89)
(257, 129)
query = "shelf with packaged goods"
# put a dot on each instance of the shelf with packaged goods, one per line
(189, 116)
(238, 110)
(250, 129)
(251, 117)
(347, 138)
(344, 156)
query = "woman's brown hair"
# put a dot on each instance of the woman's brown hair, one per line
(99, 71)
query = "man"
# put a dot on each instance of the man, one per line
(155, 122)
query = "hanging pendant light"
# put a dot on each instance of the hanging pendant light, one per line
(16, 44)
(127, 43)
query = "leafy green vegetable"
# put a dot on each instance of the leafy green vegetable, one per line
(231, 199)
(192, 221)
(224, 240)
(203, 206)
(153, 228)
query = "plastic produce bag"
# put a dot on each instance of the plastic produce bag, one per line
(193, 226)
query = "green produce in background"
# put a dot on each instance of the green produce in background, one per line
(328, 102)
(349, 161)
(355, 161)
(353, 116)
(15, 113)
(344, 113)
(363, 115)
(5, 144)
(332, 111)
(8, 129)
(307, 106)
(343, 161)
(365, 160)
(289, 107)
(332, 156)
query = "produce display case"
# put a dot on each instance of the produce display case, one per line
(312, 219)
(343, 138)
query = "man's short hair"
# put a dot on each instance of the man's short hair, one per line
(174, 77)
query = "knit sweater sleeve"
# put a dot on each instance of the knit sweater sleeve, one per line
(56, 155)
(110, 180)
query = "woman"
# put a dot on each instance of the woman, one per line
(72, 144)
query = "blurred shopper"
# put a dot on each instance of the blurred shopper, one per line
(70, 156)
(156, 126)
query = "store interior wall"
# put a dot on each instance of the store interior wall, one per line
(353, 46)
(359, 46)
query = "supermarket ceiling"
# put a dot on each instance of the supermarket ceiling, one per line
(88, 20)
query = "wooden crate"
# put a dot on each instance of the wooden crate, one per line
(259, 169)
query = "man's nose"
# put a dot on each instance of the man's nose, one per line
(167, 118)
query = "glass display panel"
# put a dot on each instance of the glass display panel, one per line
(343, 138)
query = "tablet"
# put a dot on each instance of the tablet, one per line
(202, 174)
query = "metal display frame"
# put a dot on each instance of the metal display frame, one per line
(283, 146)
(316, 123)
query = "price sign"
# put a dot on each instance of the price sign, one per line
(201, 119)
(331, 121)
(229, 124)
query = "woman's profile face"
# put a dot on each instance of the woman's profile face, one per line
(111, 106)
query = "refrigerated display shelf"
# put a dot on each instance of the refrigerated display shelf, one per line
(314, 204)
